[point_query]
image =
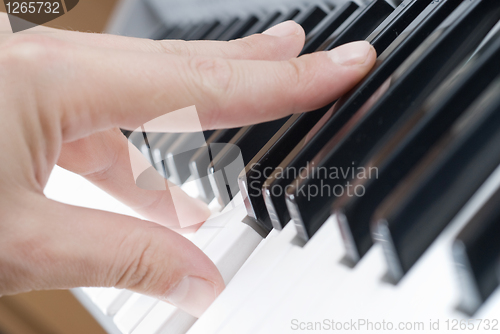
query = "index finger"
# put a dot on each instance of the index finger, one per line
(268, 45)
(109, 88)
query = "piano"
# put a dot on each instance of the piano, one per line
(379, 212)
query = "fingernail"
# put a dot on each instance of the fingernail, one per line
(193, 295)
(283, 29)
(351, 54)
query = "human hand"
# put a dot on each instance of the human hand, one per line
(64, 97)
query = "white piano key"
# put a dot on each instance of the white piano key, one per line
(157, 158)
(190, 188)
(179, 323)
(105, 321)
(491, 308)
(93, 293)
(136, 138)
(164, 318)
(364, 280)
(215, 206)
(262, 260)
(235, 203)
(275, 286)
(342, 299)
(434, 275)
(285, 237)
(155, 319)
(325, 275)
(111, 300)
(326, 302)
(235, 211)
(428, 291)
(366, 295)
(134, 310)
(231, 247)
(228, 243)
(437, 287)
(145, 152)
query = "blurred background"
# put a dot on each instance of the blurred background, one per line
(88, 15)
(56, 312)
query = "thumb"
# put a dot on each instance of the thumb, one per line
(62, 246)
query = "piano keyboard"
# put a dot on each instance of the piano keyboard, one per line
(303, 237)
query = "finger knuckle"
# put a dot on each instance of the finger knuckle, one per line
(301, 77)
(94, 170)
(33, 61)
(30, 52)
(213, 76)
(296, 72)
(213, 80)
(143, 269)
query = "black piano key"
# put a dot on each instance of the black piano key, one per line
(266, 23)
(239, 29)
(329, 24)
(196, 32)
(198, 165)
(177, 33)
(126, 133)
(210, 29)
(135, 137)
(399, 20)
(149, 138)
(399, 14)
(404, 147)
(476, 252)
(273, 189)
(221, 29)
(203, 31)
(188, 31)
(254, 199)
(164, 32)
(208, 133)
(249, 141)
(307, 18)
(180, 153)
(266, 160)
(420, 208)
(363, 24)
(290, 15)
(160, 148)
(310, 18)
(387, 63)
(146, 142)
(411, 84)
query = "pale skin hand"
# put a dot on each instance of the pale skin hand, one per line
(63, 97)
